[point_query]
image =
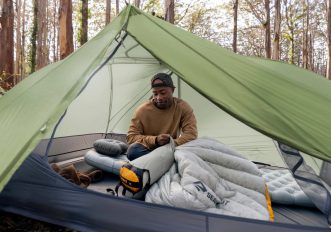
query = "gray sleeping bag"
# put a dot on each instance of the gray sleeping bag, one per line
(211, 177)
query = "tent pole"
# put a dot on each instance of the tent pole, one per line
(83, 88)
(110, 101)
(179, 87)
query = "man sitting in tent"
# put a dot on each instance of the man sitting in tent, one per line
(161, 117)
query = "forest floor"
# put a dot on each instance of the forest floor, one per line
(12, 222)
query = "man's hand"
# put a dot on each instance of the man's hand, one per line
(162, 139)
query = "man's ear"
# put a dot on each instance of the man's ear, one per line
(173, 89)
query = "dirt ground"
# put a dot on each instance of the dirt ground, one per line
(12, 222)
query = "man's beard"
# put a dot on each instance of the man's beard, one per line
(162, 105)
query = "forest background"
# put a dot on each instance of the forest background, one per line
(35, 33)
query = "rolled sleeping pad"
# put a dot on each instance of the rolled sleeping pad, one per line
(157, 162)
(110, 147)
(105, 163)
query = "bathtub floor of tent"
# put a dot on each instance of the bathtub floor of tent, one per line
(108, 180)
(283, 213)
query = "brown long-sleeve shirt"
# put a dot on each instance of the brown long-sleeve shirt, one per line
(149, 121)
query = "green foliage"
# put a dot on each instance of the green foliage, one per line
(153, 6)
(287, 36)
(97, 9)
(212, 22)
(199, 18)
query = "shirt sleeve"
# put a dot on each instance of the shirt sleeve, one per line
(188, 125)
(135, 133)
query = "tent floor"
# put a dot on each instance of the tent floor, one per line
(71, 150)
(109, 181)
(299, 215)
(283, 213)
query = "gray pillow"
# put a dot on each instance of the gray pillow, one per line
(110, 147)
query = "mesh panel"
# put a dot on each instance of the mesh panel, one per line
(325, 172)
(307, 179)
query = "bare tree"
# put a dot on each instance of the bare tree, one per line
(7, 42)
(267, 36)
(328, 73)
(264, 19)
(2, 22)
(137, 3)
(291, 26)
(33, 38)
(277, 23)
(83, 27)
(117, 7)
(169, 11)
(66, 32)
(311, 51)
(305, 57)
(18, 52)
(42, 49)
(235, 26)
(108, 11)
(55, 31)
(22, 70)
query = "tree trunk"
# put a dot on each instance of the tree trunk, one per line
(290, 26)
(83, 29)
(33, 38)
(42, 50)
(277, 22)
(55, 26)
(7, 43)
(310, 52)
(169, 11)
(137, 3)
(305, 60)
(267, 30)
(117, 7)
(18, 54)
(235, 26)
(2, 41)
(291, 51)
(65, 33)
(108, 11)
(328, 72)
(23, 63)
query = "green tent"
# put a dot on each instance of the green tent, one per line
(245, 102)
(284, 102)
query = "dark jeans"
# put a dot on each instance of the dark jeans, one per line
(136, 150)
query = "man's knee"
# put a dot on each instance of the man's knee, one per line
(136, 150)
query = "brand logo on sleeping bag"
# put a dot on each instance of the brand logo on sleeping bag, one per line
(200, 186)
